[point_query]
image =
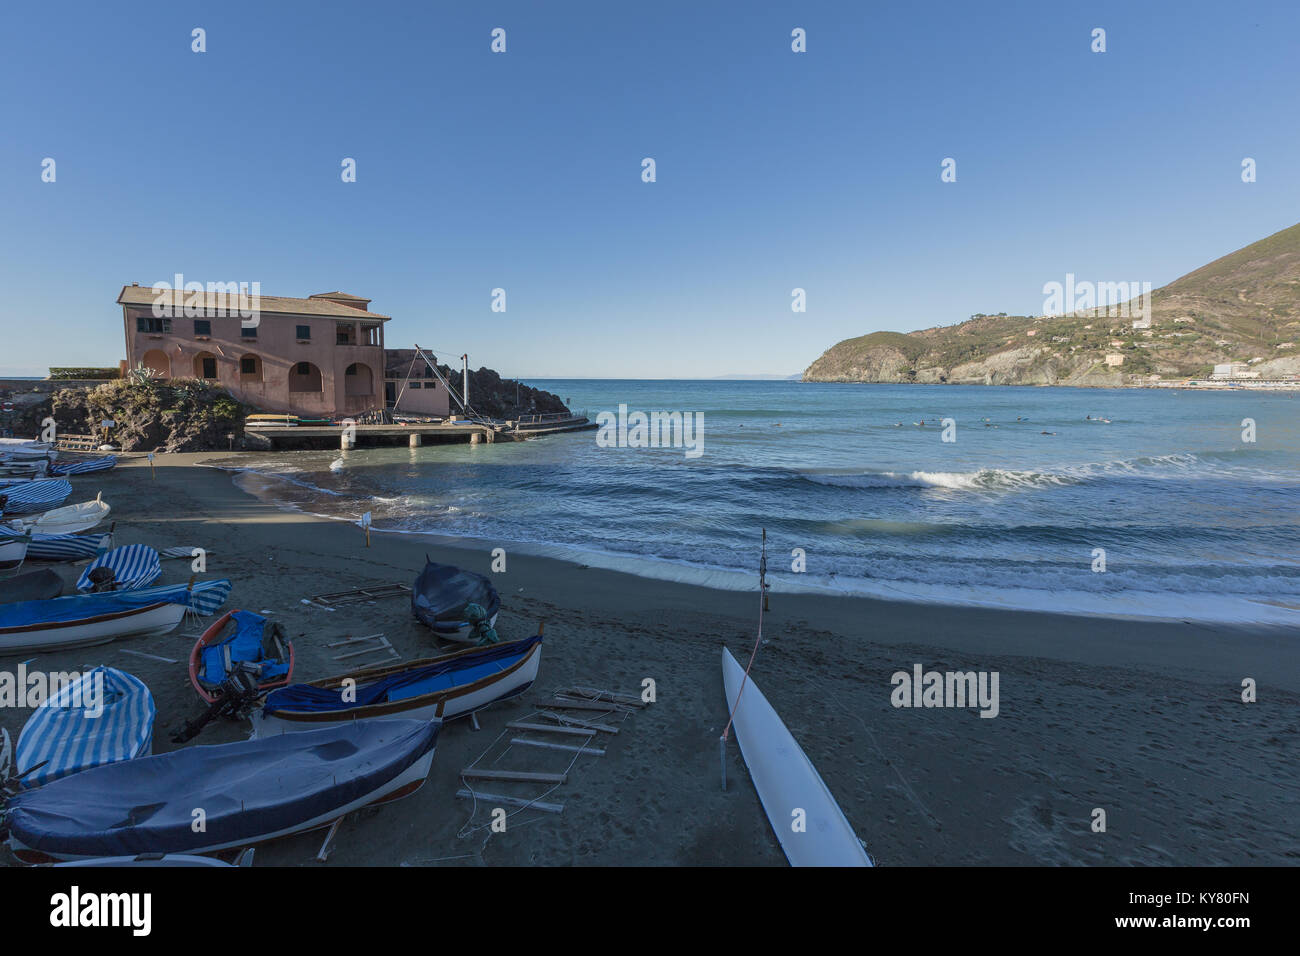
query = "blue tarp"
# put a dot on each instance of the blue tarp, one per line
(248, 790)
(245, 644)
(443, 675)
(442, 591)
(111, 602)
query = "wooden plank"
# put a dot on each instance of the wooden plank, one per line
(511, 801)
(580, 748)
(517, 775)
(575, 722)
(551, 729)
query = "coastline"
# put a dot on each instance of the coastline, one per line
(1142, 718)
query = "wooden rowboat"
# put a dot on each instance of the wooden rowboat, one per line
(446, 687)
(252, 791)
(80, 622)
(72, 518)
(240, 637)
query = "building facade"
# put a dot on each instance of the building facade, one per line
(411, 388)
(318, 357)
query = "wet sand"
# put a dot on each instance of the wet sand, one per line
(1142, 719)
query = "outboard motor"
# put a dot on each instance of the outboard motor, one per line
(238, 693)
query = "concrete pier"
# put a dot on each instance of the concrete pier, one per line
(415, 435)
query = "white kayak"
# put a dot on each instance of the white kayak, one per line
(787, 781)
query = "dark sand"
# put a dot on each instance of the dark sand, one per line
(1142, 719)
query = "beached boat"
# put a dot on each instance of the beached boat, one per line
(87, 619)
(80, 622)
(12, 472)
(251, 791)
(104, 716)
(159, 859)
(786, 780)
(127, 568)
(60, 547)
(442, 592)
(240, 637)
(13, 551)
(22, 449)
(31, 496)
(86, 467)
(72, 519)
(446, 687)
(34, 586)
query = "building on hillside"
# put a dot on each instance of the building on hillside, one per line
(1233, 370)
(1114, 359)
(411, 388)
(318, 357)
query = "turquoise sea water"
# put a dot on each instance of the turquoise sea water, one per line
(1194, 522)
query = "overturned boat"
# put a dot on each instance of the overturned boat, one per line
(442, 593)
(250, 791)
(446, 687)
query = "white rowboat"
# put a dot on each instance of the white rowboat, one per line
(73, 518)
(786, 780)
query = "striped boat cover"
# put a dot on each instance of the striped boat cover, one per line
(36, 495)
(134, 566)
(71, 732)
(84, 467)
(62, 547)
(205, 598)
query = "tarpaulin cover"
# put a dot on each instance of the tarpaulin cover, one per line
(36, 586)
(75, 729)
(415, 682)
(441, 592)
(248, 790)
(243, 644)
(112, 602)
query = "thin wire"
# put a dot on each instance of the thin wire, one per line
(762, 590)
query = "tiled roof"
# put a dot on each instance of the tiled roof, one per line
(267, 304)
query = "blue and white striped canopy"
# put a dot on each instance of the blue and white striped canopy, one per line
(84, 467)
(134, 566)
(62, 547)
(36, 495)
(104, 716)
(204, 598)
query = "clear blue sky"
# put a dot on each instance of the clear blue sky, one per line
(523, 171)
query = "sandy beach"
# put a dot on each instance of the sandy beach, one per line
(1141, 719)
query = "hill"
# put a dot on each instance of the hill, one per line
(1243, 307)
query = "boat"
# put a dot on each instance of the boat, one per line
(71, 519)
(106, 463)
(23, 449)
(60, 547)
(86, 619)
(104, 716)
(161, 859)
(240, 637)
(128, 568)
(442, 592)
(447, 687)
(12, 472)
(39, 495)
(786, 780)
(251, 791)
(13, 551)
(80, 622)
(34, 586)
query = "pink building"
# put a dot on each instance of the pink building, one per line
(319, 357)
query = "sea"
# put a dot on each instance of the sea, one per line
(1147, 503)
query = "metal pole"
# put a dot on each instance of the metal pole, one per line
(465, 403)
(722, 754)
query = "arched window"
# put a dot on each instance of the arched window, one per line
(205, 366)
(358, 380)
(304, 377)
(157, 360)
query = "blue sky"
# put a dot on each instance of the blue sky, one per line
(522, 170)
